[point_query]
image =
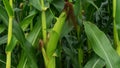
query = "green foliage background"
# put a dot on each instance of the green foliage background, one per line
(44, 37)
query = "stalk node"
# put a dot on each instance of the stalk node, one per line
(44, 9)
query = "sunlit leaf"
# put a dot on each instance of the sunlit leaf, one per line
(95, 62)
(101, 45)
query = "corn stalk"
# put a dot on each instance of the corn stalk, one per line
(43, 16)
(51, 45)
(116, 24)
(9, 8)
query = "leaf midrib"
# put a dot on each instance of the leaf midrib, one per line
(95, 63)
(102, 49)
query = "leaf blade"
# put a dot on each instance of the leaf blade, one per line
(99, 43)
(95, 62)
(8, 8)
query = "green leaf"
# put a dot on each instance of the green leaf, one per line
(77, 7)
(3, 39)
(66, 29)
(33, 38)
(70, 52)
(36, 4)
(26, 46)
(18, 33)
(117, 17)
(23, 60)
(3, 15)
(116, 21)
(2, 60)
(2, 28)
(92, 2)
(58, 4)
(8, 7)
(95, 62)
(49, 17)
(27, 20)
(49, 0)
(12, 44)
(80, 56)
(101, 45)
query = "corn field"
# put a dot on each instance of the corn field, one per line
(59, 34)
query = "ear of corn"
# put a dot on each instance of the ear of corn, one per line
(53, 40)
(38, 36)
(55, 34)
(51, 45)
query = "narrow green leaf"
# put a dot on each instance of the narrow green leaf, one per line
(95, 62)
(23, 60)
(27, 20)
(80, 57)
(26, 46)
(117, 17)
(77, 7)
(49, 18)
(101, 45)
(2, 60)
(3, 39)
(117, 25)
(70, 52)
(49, 0)
(66, 29)
(18, 33)
(33, 38)
(36, 4)
(8, 8)
(12, 44)
(58, 4)
(92, 2)
(3, 15)
(2, 28)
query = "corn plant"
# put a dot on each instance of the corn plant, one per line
(59, 34)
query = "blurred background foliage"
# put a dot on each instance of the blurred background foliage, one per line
(73, 49)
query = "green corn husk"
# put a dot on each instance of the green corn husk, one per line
(55, 34)
(53, 40)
